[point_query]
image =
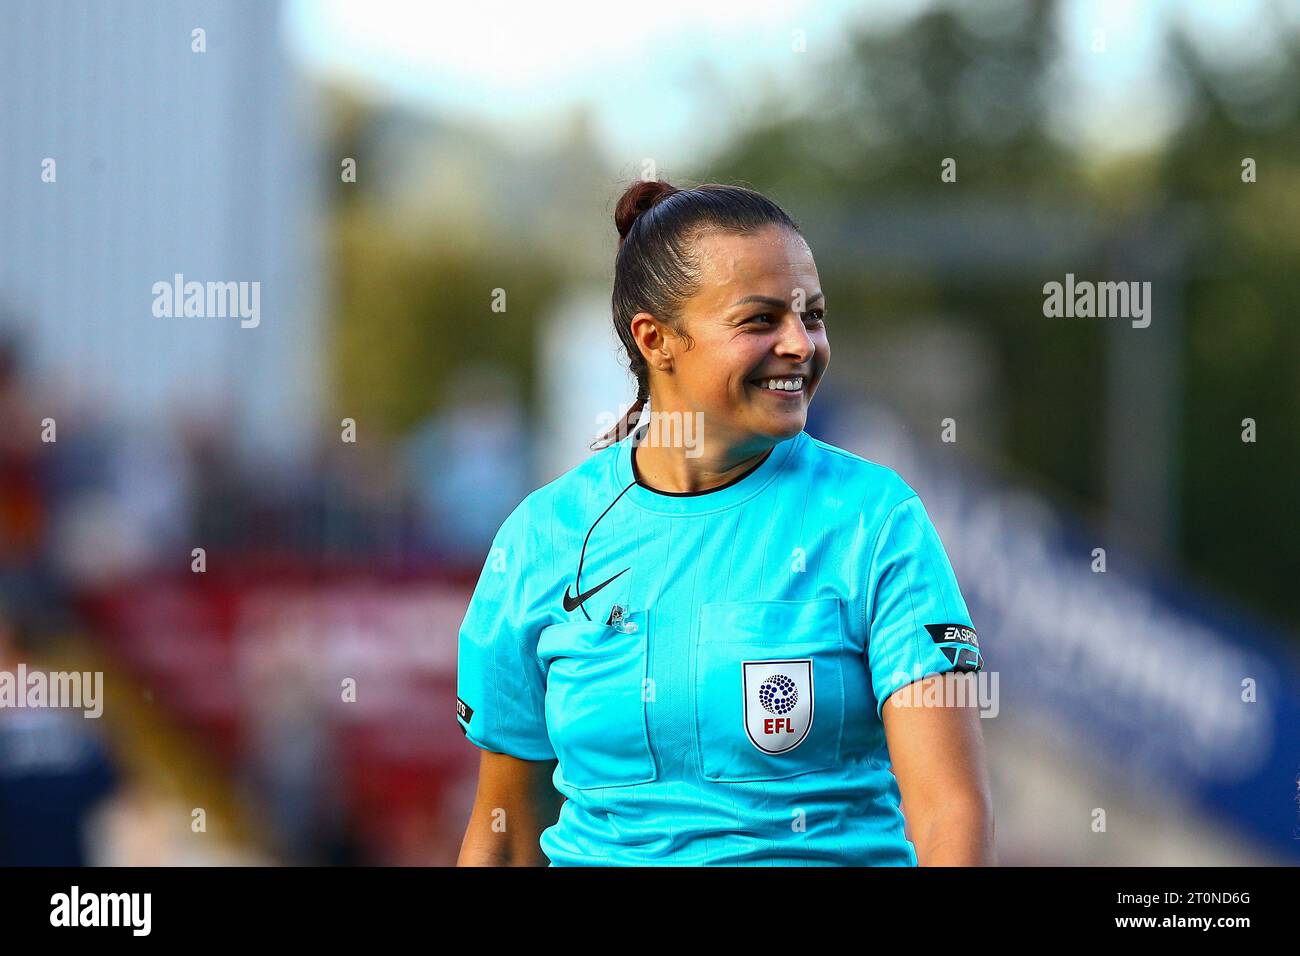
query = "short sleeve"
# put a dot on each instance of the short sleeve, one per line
(918, 624)
(500, 686)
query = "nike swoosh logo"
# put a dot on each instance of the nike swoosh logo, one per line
(573, 603)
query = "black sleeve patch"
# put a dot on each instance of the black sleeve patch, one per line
(959, 644)
(953, 634)
(962, 658)
(464, 711)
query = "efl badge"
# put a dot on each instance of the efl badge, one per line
(778, 703)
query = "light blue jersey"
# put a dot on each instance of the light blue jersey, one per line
(709, 669)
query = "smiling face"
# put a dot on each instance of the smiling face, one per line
(759, 346)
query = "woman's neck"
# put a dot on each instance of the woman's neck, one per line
(683, 470)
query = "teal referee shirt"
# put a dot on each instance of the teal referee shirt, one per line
(709, 669)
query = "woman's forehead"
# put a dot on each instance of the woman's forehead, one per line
(740, 254)
(731, 260)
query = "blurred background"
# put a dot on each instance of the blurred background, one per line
(424, 194)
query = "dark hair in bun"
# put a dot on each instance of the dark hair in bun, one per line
(640, 197)
(654, 270)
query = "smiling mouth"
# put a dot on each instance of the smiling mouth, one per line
(792, 386)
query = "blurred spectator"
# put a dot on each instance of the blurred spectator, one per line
(54, 773)
(22, 502)
(470, 464)
(290, 762)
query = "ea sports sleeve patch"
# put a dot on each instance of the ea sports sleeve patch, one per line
(959, 643)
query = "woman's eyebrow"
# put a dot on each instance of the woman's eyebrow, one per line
(775, 303)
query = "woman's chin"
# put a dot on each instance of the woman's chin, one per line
(786, 425)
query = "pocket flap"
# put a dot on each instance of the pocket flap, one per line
(771, 622)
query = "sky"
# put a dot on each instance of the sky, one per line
(645, 71)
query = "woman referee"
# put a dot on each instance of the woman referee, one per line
(684, 652)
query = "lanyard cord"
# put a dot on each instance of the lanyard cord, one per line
(577, 581)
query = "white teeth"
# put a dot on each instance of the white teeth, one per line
(784, 384)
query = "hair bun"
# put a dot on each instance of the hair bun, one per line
(637, 199)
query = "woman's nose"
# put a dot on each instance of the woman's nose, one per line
(795, 341)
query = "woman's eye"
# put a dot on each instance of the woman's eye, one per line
(815, 317)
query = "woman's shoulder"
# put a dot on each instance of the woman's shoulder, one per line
(853, 474)
(572, 490)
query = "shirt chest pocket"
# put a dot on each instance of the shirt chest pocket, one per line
(769, 688)
(595, 700)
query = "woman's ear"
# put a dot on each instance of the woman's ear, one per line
(652, 338)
